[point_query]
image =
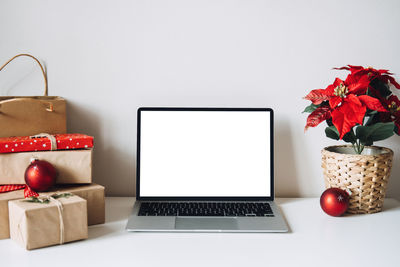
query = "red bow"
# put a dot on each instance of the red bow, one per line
(28, 192)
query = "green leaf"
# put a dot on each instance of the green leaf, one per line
(368, 143)
(329, 122)
(350, 137)
(332, 132)
(66, 195)
(46, 200)
(310, 108)
(37, 200)
(373, 118)
(375, 132)
(382, 87)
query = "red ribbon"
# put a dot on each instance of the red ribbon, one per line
(28, 192)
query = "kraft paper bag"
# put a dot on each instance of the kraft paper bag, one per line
(23, 116)
(73, 166)
(30, 115)
(60, 220)
(92, 193)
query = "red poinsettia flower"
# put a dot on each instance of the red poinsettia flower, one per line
(383, 75)
(393, 107)
(319, 115)
(347, 101)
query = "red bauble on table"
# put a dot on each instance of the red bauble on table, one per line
(334, 201)
(40, 175)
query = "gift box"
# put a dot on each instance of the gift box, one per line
(41, 222)
(73, 166)
(92, 193)
(4, 198)
(44, 142)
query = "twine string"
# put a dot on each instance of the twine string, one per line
(60, 215)
(53, 141)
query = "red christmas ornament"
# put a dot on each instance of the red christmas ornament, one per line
(40, 175)
(334, 201)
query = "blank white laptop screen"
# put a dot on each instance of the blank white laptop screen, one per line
(205, 153)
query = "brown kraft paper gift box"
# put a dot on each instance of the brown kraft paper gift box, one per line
(93, 193)
(73, 166)
(4, 198)
(60, 220)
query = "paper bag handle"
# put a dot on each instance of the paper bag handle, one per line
(40, 65)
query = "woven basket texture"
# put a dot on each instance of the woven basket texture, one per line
(366, 176)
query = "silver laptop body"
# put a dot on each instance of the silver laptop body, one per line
(205, 155)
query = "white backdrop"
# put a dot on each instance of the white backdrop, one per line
(107, 58)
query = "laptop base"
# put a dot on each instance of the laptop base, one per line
(206, 224)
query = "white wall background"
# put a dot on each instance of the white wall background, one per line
(107, 58)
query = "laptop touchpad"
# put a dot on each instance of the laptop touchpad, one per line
(206, 223)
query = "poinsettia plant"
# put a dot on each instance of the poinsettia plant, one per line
(359, 110)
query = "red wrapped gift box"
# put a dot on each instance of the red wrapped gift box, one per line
(44, 143)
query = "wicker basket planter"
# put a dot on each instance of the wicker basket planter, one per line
(366, 175)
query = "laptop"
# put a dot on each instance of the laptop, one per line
(205, 170)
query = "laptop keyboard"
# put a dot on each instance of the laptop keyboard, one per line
(226, 209)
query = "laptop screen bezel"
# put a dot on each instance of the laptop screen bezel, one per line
(213, 198)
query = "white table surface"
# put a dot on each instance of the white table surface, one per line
(315, 239)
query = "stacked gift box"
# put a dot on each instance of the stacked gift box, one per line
(60, 214)
(35, 149)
